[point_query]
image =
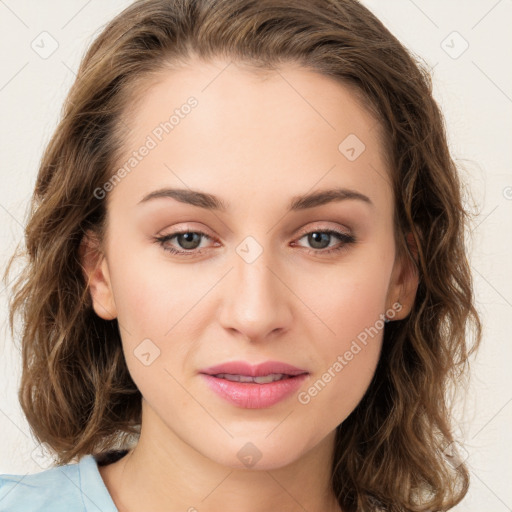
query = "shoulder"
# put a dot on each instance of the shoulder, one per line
(71, 487)
(53, 489)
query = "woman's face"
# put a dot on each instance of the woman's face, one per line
(255, 280)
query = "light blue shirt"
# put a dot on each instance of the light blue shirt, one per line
(75, 487)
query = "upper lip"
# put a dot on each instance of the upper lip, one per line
(253, 370)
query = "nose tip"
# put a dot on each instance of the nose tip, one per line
(255, 301)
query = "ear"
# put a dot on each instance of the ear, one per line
(96, 273)
(404, 282)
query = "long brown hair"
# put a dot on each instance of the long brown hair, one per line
(76, 390)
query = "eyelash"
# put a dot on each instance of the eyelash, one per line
(345, 238)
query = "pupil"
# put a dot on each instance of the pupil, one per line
(317, 240)
(189, 240)
(314, 238)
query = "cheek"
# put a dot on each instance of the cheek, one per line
(158, 307)
(152, 296)
(154, 302)
(152, 306)
(351, 302)
(349, 354)
(347, 297)
(337, 390)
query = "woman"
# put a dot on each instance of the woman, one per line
(247, 286)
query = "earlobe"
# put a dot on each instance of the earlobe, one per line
(405, 281)
(97, 276)
(408, 288)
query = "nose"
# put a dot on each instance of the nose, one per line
(256, 302)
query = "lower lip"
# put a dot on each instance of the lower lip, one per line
(250, 395)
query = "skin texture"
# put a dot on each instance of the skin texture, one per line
(255, 140)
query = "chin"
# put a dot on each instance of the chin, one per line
(258, 454)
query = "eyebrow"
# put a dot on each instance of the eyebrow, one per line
(297, 203)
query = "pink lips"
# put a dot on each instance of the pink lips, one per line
(251, 395)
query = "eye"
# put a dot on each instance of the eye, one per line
(189, 242)
(320, 240)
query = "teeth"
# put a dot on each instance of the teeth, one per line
(258, 380)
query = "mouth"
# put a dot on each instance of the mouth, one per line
(244, 370)
(263, 379)
(254, 386)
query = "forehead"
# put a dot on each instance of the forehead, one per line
(218, 124)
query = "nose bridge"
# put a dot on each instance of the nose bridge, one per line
(255, 302)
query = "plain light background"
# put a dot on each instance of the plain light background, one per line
(466, 44)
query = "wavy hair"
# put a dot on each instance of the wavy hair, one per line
(76, 391)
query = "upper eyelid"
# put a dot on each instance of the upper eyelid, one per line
(300, 234)
(344, 238)
(306, 230)
(344, 229)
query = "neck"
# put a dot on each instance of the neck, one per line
(163, 473)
